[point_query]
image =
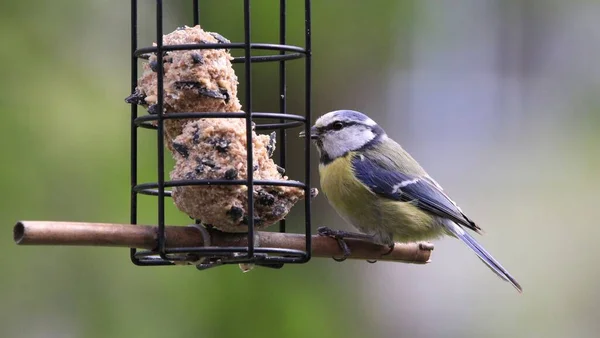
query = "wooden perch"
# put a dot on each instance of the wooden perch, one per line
(145, 237)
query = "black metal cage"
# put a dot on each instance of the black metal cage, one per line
(279, 121)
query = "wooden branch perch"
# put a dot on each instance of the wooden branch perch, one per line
(145, 237)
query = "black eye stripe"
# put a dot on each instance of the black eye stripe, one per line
(331, 125)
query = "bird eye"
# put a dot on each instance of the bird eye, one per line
(337, 125)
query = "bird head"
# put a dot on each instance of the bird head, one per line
(339, 132)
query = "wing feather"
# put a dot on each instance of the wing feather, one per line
(421, 190)
(387, 179)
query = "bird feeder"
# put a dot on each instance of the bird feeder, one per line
(224, 177)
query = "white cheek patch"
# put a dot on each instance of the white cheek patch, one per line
(338, 143)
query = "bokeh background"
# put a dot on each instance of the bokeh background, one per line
(497, 99)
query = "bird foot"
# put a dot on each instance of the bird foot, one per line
(339, 236)
(391, 246)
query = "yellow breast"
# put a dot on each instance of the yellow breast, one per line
(371, 214)
(345, 193)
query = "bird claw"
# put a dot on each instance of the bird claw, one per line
(391, 246)
(338, 235)
(327, 231)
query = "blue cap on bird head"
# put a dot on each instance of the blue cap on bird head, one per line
(344, 116)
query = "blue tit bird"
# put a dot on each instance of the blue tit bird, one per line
(377, 187)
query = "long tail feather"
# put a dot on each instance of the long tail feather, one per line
(493, 264)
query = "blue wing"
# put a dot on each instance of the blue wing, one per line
(428, 196)
(403, 187)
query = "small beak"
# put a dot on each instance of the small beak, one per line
(314, 134)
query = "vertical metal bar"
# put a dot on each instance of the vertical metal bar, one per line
(249, 148)
(307, 103)
(282, 94)
(160, 132)
(133, 144)
(196, 13)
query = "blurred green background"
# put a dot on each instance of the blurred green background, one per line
(497, 99)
